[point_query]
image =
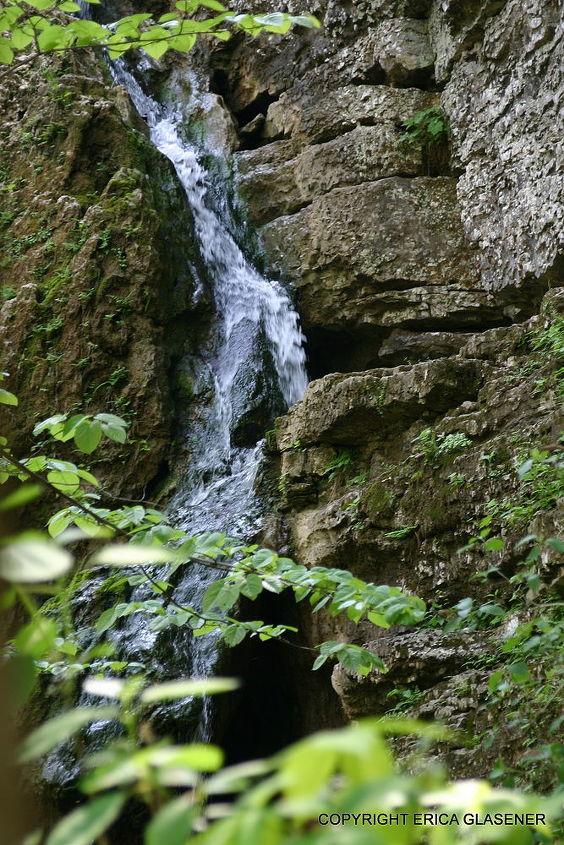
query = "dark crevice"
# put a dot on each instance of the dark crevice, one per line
(273, 707)
(219, 84)
(343, 351)
(355, 349)
(258, 106)
(376, 75)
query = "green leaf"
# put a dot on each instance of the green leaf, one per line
(556, 543)
(495, 680)
(84, 825)
(155, 49)
(221, 595)
(37, 637)
(87, 476)
(252, 586)
(34, 838)
(61, 728)
(59, 522)
(112, 419)
(24, 494)
(66, 482)
(274, 19)
(87, 436)
(114, 432)
(21, 675)
(211, 4)
(33, 561)
(53, 37)
(494, 544)
(309, 21)
(234, 634)
(52, 423)
(182, 43)
(519, 672)
(6, 398)
(171, 825)
(127, 554)
(378, 619)
(197, 757)
(187, 689)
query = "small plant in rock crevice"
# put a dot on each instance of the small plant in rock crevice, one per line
(338, 464)
(401, 533)
(406, 699)
(428, 130)
(436, 448)
(426, 125)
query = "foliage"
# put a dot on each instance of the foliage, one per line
(427, 125)
(287, 799)
(541, 486)
(342, 460)
(524, 615)
(151, 542)
(434, 448)
(550, 339)
(31, 28)
(189, 795)
(401, 533)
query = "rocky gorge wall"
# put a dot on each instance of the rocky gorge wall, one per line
(94, 314)
(423, 271)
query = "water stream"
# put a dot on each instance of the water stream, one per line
(255, 355)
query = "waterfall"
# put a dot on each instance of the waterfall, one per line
(254, 323)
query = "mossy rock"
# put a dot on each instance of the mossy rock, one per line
(185, 386)
(377, 501)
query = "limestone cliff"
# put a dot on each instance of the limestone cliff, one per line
(426, 262)
(419, 265)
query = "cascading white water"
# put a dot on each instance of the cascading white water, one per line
(217, 493)
(246, 304)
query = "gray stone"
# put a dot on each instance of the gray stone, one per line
(418, 659)
(404, 51)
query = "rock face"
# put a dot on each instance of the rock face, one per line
(420, 253)
(351, 210)
(91, 303)
(367, 486)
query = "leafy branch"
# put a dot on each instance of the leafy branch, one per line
(52, 26)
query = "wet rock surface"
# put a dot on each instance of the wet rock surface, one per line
(93, 312)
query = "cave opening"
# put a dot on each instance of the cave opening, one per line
(280, 699)
(345, 351)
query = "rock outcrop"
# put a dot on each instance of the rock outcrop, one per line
(349, 206)
(93, 311)
(403, 172)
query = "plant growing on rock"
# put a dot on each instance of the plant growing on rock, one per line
(427, 125)
(434, 448)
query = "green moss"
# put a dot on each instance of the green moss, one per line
(185, 386)
(115, 585)
(52, 286)
(376, 500)
(57, 603)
